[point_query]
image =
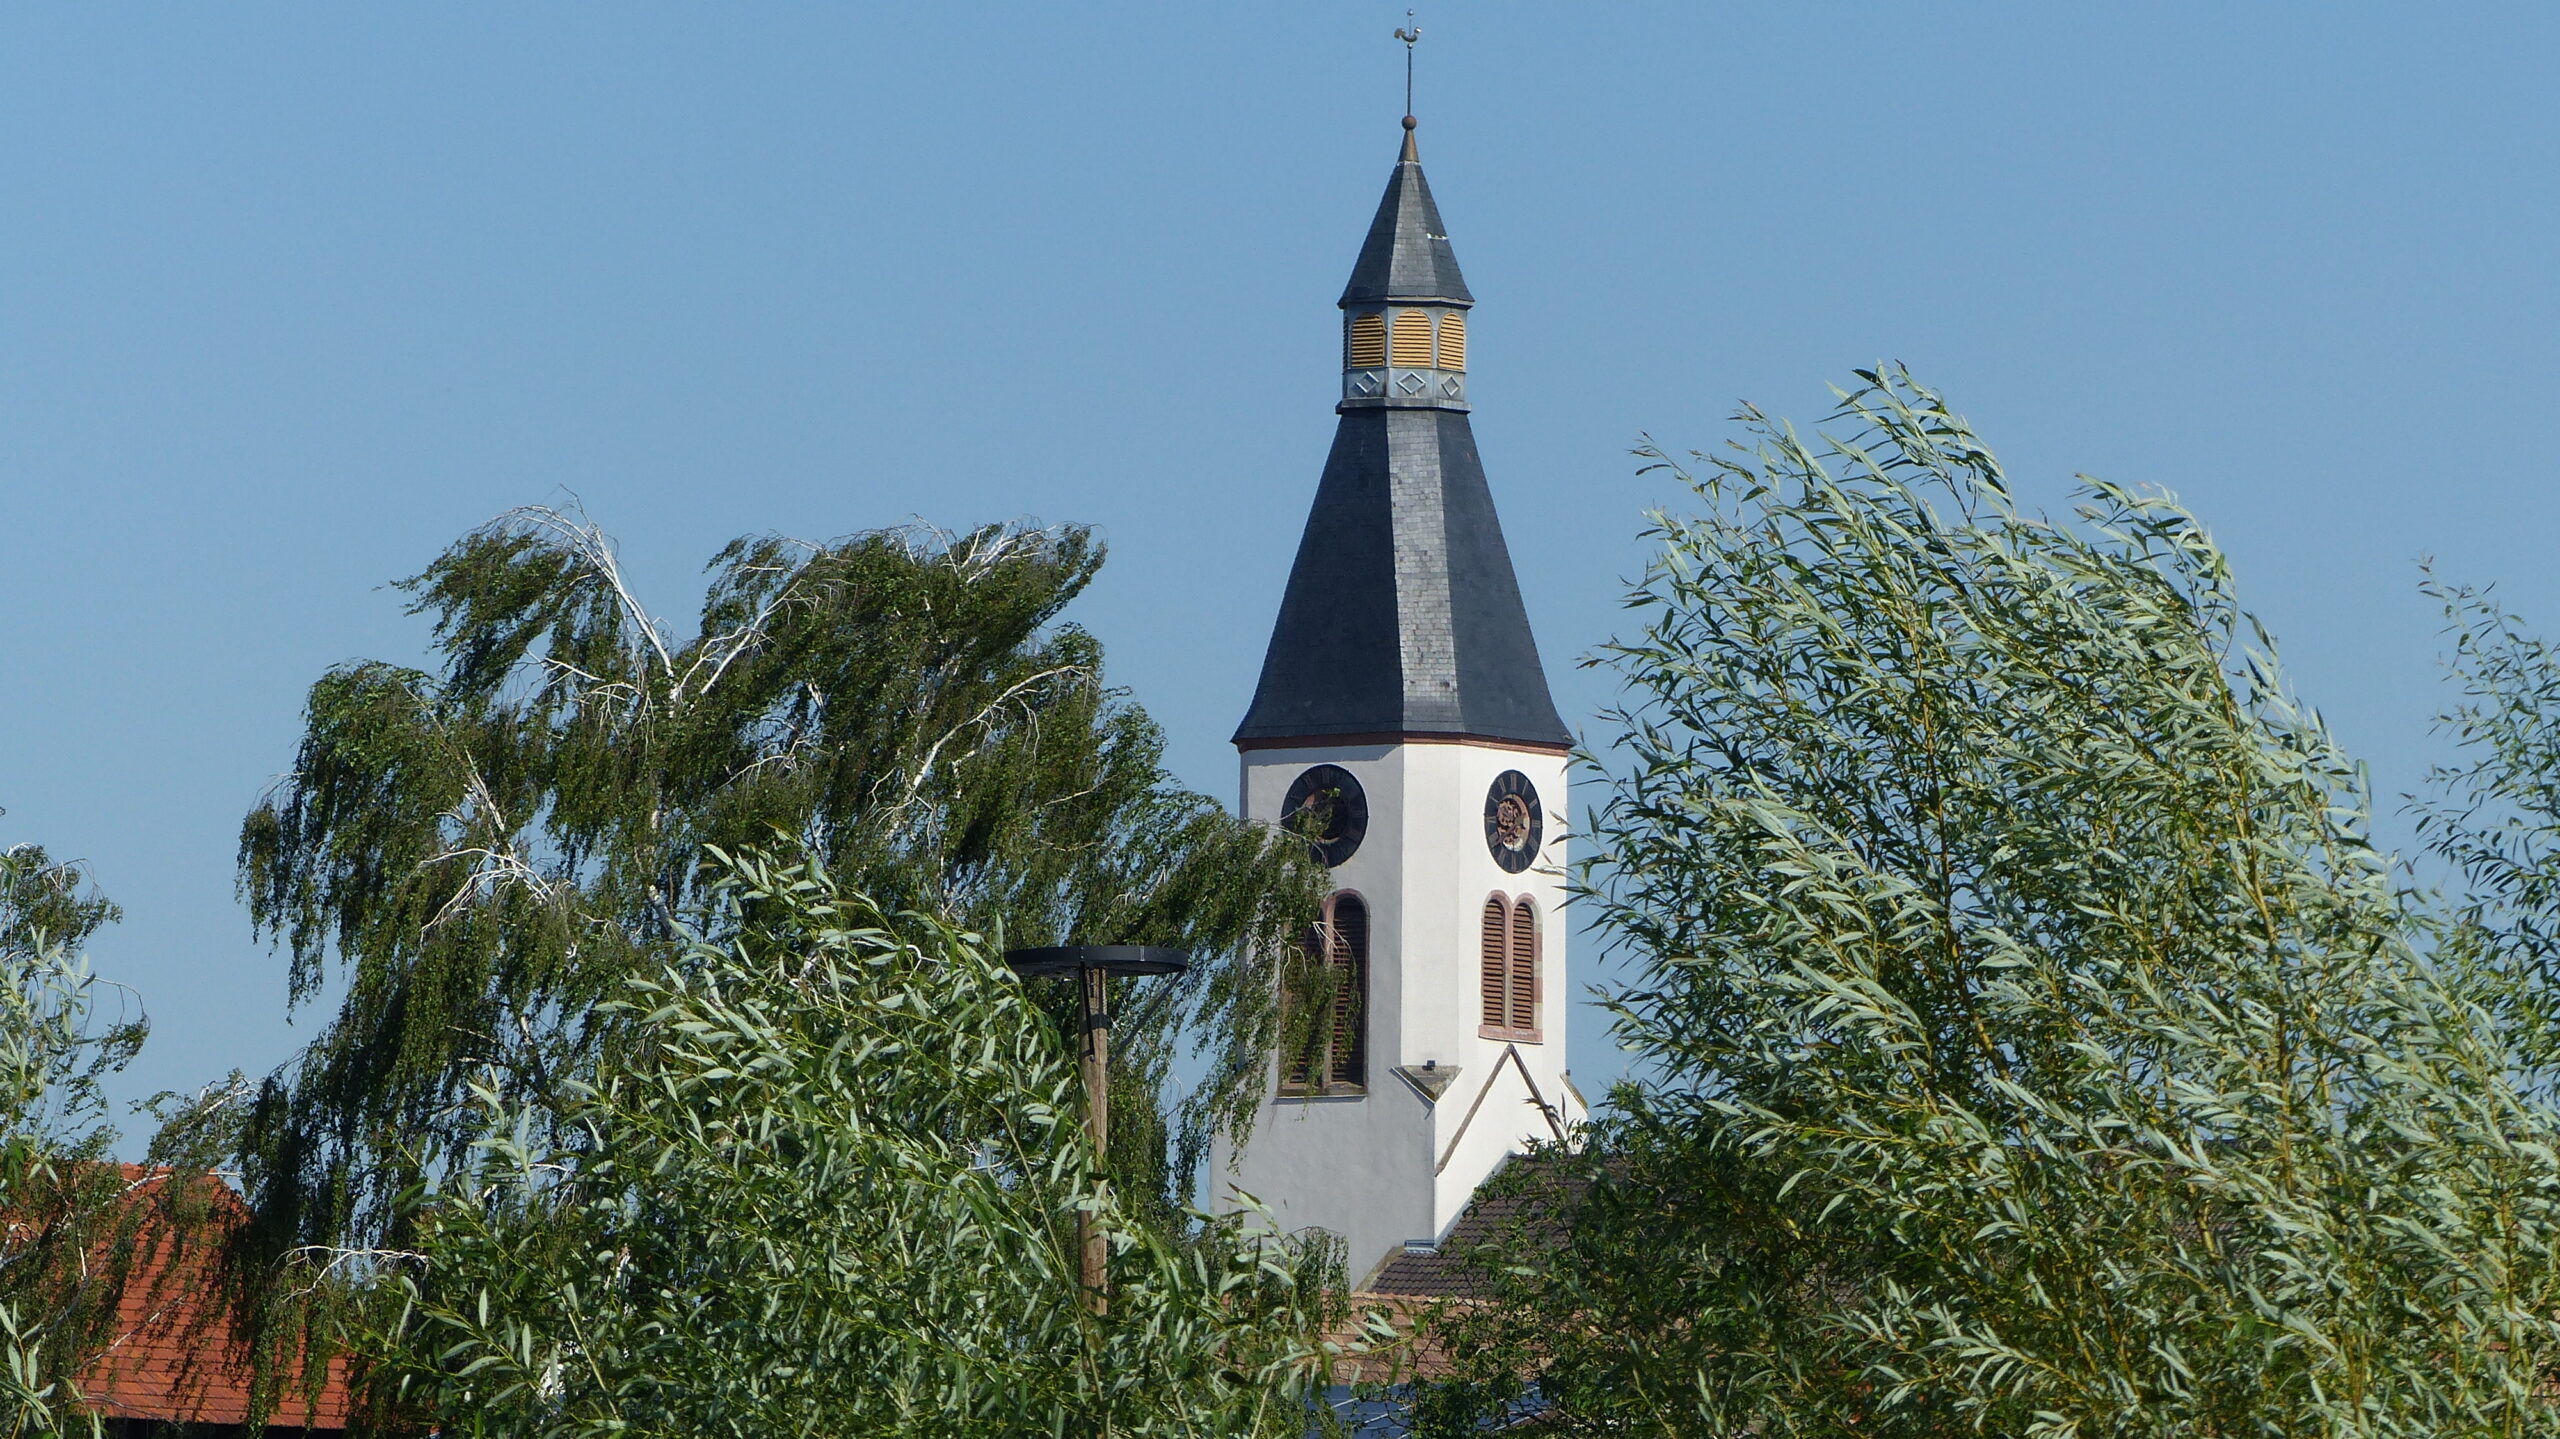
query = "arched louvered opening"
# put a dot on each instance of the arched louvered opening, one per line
(1412, 340)
(1453, 341)
(1364, 342)
(1524, 969)
(1507, 968)
(1332, 978)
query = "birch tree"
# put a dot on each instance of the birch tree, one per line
(475, 856)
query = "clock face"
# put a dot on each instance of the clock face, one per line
(1514, 825)
(1325, 805)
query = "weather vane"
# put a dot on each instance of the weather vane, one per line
(1410, 33)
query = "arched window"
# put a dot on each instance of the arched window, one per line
(1453, 341)
(1364, 344)
(1413, 340)
(1333, 977)
(1507, 969)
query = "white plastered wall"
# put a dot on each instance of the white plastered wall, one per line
(1393, 1164)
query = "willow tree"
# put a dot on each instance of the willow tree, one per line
(2493, 813)
(87, 1242)
(61, 1265)
(832, 1188)
(2033, 1042)
(472, 856)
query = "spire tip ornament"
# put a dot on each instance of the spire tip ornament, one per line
(1409, 34)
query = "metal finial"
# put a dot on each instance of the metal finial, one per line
(1409, 34)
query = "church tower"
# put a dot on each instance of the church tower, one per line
(1403, 713)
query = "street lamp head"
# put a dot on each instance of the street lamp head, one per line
(1108, 958)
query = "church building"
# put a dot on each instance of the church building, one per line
(1403, 718)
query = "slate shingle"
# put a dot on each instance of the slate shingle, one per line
(1402, 614)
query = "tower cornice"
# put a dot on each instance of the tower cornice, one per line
(1395, 737)
(1348, 404)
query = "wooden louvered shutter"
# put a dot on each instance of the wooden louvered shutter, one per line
(1349, 961)
(1412, 340)
(1493, 972)
(1365, 343)
(1308, 1060)
(1453, 341)
(1524, 969)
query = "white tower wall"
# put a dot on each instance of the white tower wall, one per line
(1398, 1162)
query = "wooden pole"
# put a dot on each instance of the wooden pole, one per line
(1093, 965)
(1095, 1060)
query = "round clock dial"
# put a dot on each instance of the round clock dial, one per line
(1514, 825)
(1325, 805)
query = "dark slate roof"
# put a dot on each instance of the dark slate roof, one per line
(1402, 614)
(1407, 254)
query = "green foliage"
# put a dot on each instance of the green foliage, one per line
(489, 851)
(69, 1241)
(826, 1182)
(2495, 815)
(53, 1061)
(2032, 1042)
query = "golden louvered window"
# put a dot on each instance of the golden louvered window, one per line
(1413, 340)
(1453, 341)
(1332, 1051)
(1364, 343)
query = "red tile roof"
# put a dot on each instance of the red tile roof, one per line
(173, 1357)
(1530, 1209)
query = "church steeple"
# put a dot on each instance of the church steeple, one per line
(1403, 725)
(1403, 617)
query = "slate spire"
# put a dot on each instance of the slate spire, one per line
(1402, 619)
(1407, 254)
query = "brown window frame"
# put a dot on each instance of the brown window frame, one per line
(1510, 969)
(1338, 1050)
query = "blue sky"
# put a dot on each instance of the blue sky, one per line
(291, 296)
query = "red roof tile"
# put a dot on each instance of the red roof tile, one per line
(173, 1357)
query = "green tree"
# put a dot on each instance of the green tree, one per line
(483, 853)
(2494, 815)
(71, 1232)
(826, 1182)
(2031, 1040)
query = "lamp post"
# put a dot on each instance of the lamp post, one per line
(1093, 965)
